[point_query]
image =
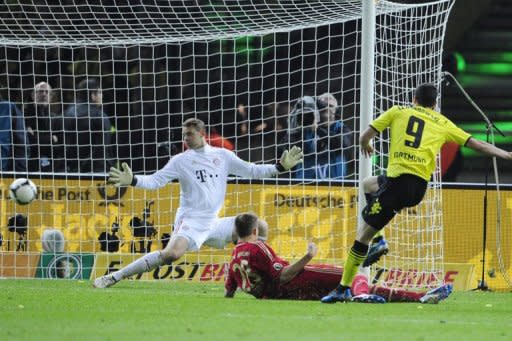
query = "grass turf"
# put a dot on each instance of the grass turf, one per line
(134, 310)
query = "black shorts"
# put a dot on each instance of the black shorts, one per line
(406, 190)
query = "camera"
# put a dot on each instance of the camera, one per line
(305, 111)
(110, 241)
(17, 223)
(143, 230)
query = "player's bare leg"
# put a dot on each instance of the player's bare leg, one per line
(173, 251)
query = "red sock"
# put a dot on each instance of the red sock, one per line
(397, 295)
(360, 285)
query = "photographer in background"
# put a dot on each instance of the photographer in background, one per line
(302, 124)
(335, 139)
(312, 127)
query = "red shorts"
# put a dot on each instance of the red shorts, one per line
(313, 283)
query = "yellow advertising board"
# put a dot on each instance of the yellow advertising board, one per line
(460, 275)
(83, 209)
(19, 265)
(213, 268)
(463, 223)
(192, 267)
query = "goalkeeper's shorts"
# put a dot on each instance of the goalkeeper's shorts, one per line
(214, 232)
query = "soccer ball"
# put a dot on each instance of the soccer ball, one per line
(23, 191)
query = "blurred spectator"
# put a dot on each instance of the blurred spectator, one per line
(45, 132)
(282, 111)
(14, 150)
(213, 138)
(167, 149)
(262, 119)
(274, 116)
(234, 125)
(451, 161)
(303, 120)
(335, 139)
(88, 131)
(312, 126)
(327, 105)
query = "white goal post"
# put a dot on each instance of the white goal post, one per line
(242, 67)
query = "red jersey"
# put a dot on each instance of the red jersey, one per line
(312, 283)
(255, 268)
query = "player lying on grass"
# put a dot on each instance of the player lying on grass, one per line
(257, 270)
(202, 172)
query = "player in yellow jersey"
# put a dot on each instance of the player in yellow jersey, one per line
(417, 134)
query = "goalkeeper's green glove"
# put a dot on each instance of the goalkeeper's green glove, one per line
(290, 159)
(121, 178)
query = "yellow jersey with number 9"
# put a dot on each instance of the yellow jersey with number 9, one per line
(417, 135)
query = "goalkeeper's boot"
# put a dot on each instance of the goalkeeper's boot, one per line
(368, 298)
(376, 251)
(438, 294)
(104, 281)
(337, 295)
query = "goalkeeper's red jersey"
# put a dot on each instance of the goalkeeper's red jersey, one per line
(255, 268)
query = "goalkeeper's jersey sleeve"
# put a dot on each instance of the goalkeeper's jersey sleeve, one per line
(203, 174)
(417, 135)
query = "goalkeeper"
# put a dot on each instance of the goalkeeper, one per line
(257, 270)
(417, 134)
(202, 172)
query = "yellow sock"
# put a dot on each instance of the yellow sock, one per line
(354, 260)
(379, 233)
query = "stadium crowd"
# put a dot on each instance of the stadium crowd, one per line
(42, 135)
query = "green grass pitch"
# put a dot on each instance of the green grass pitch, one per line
(133, 310)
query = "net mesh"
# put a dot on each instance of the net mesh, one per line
(244, 67)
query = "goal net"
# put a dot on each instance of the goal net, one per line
(91, 85)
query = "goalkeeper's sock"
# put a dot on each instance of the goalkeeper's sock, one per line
(355, 258)
(144, 264)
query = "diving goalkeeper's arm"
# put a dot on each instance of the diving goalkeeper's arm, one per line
(123, 177)
(237, 166)
(289, 159)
